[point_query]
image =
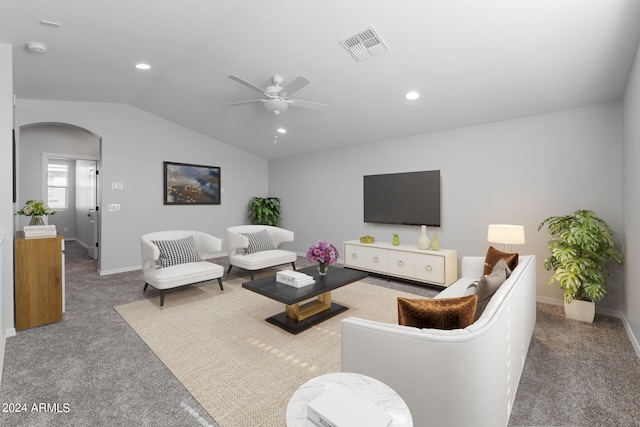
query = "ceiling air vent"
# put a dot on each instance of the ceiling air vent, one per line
(364, 44)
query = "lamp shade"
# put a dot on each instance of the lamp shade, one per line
(506, 234)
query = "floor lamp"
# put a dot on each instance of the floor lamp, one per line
(506, 234)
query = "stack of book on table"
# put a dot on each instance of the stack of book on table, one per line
(38, 231)
(294, 278)
(339, 407)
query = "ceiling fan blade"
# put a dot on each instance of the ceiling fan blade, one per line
(308, 104)
(248, 84)
(295, 85)
(247, 102)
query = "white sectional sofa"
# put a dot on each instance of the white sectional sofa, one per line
(460, 377)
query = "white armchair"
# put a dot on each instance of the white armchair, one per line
(255, 247)
(177, 258)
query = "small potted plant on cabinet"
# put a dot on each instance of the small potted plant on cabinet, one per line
(264, 210)
(581, 248)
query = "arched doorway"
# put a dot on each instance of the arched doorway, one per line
(60, 163)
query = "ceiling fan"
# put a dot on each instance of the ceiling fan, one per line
(277, 96)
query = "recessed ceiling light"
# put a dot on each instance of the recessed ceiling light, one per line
(412, 96)
(143, 66)
(282, 130)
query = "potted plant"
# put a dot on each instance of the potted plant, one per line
(36, 209)
(264, 210)
(581, 248)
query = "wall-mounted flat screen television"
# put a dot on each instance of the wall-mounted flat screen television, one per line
(411, 198)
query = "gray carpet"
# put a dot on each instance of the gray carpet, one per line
(92, 369)
(578, 374)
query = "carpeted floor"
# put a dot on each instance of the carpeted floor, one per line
(239, 367)
(91, 369)
(578, 374)
(575, 374)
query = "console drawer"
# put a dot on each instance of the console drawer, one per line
(401, 264)
(354, 256)
(377, 259)
(430, 268)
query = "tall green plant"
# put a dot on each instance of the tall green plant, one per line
(264, 210)
(581, 248)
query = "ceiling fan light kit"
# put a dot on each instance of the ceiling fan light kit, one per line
(277, 96)
(276, 106)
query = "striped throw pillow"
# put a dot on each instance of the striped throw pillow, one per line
(173, 252)
(258, 242)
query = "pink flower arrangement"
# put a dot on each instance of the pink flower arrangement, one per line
(323, 253)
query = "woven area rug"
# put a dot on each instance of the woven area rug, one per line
(240, 368)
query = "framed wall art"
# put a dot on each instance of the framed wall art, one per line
(186, 184)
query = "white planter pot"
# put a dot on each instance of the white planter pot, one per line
(580, 310)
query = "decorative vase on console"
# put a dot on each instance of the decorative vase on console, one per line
(435, 245)
(423, 240)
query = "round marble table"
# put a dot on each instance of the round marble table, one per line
(369, 389)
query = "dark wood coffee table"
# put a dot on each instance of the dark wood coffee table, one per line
(297, 318)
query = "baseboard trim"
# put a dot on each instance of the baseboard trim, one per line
(139, 267)
(632, 337)
(11, 332)
(119, 270)
(550, 301)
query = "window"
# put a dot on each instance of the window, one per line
(57, 182)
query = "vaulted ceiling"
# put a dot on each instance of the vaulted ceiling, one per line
(473, 61)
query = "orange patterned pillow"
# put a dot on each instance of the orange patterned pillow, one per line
(442, 313)
(494, 255)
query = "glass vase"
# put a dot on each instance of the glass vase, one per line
(323, 268)
(36, 220)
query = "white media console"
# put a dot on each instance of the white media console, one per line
(403, 261)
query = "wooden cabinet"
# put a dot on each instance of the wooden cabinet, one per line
(403, 261)
(39, 281)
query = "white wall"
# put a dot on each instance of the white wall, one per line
(134, 145)
(505, 172)
(515, 172)
(6, 198)
(631, 197)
